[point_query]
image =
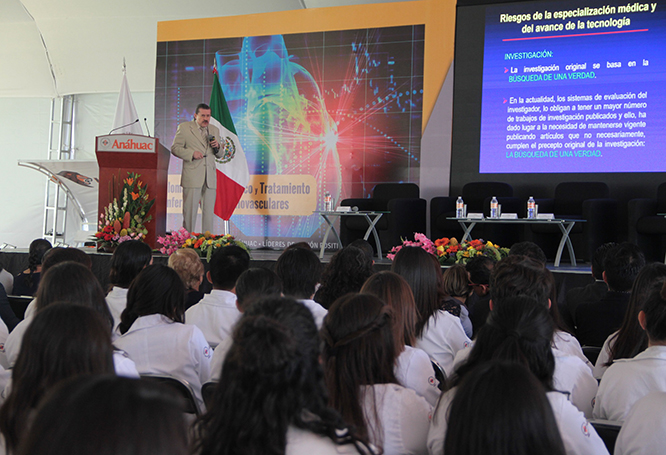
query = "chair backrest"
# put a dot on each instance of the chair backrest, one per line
(569, 196)
(440, 375)
(608, 432)
(208, 392)
(180, 389)
(382, 193)
(19, 304)
(661, 198)
(592, 353)
(474, 193)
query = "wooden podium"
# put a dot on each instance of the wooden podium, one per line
(118, 154)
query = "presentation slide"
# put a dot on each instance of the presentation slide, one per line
(572, 87)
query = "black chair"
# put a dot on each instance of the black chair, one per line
(180, 388)
(407, 214)
(589, 201)
(592, 353)
(208, 393)
(440, 375)
(647, 229)
(608, 432)
(477, 196)
(19, 304)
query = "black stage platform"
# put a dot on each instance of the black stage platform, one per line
(15, 261)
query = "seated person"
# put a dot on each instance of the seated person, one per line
(479, 269)
(346, 272)
(187, 263)
(26, 282)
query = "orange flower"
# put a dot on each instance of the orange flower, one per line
(135, 196)
(139, 183)
(129, 181)
(476, 243)
(442, 242)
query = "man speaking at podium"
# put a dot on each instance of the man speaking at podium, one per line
(196, 143)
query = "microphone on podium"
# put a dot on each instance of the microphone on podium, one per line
(124, 126)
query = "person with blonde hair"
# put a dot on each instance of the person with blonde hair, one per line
(187, 263)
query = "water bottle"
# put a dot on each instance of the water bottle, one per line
(531, 205)
(460, 207)
(328, 202)
(493, 207)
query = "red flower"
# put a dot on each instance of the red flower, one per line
(442, 242)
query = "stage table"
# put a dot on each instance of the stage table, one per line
(565, 225)
(330, 217)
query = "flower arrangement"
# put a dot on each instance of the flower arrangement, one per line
(449, 250)
(125, 218)
(204, 244)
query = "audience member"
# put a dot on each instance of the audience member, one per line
(107, 415)
(596, 321)
(63, 341)
(520, 330)
(631, 339)
(359, 360)
(217, 313)
(413, 368)
(500, 408)
(455, 284)
(628, 380)
(187, 263)
(153, 331)
(365, 246)
(7, 316)
(643, 432)
(270, 398)
(347, 271)
(299, 270)
(6, 278)
(26, 282)
(478, 304)
(593, 292)
(127, 261)
(529, 249)
(438, 332)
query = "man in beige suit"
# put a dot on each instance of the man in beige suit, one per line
(196, 143)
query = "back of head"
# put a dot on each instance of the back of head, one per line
(479, 268)
(599, 258)
(655, 314)
(520, 330)
(108, 415)
(394, 290)
(226, 265)
(422, 272)
(57, 255)
(38, 248)
(187, 263)
(455, 281)
(127, 261)
(62, 341)
(300, 270)
(74, 283)
(622, 265)
(520, 275)
(364, 246)
(256, 283)
(501, 409)
(156, 290)
(358, 350)
(529, 249)
(347, 271)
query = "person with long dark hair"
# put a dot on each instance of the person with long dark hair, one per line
(456, 287)
(413, 368)
(108, 415)
(128, 260)
(271, 398)
(346, 272)
(628, 380)
(521, 331)
(500, 408)
(439, 333)
(63, 341)
(153, 332)
(26, 282)
(631, 339)
(359, 360)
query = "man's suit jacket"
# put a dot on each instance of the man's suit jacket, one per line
(188, 139)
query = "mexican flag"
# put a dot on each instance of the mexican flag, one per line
(232, 171)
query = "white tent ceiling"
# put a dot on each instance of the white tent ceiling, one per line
(51, 48)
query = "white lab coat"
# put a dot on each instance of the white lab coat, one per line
(116, 299)
(628, 380)
(604, 355)
(442, 337)
(404, 417)
(643, 431)
(303, 442)
(578, 435)
(413, 369)
(215, 315)
(318, 311)
(567, 343)
(157, 345)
